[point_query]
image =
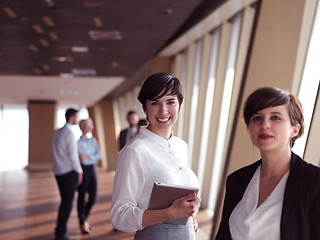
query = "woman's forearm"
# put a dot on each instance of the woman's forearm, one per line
(151, 217)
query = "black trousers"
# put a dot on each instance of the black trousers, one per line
(88, 185)
(67, 184)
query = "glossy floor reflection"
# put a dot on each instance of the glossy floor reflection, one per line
(29, 201)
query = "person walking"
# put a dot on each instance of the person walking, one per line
(67, 169)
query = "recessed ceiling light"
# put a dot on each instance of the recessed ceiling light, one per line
(33, 48)
(97, 22)
(37, 71)
(50, 3)
(48, 21)
(105, 35)
(168, 11)
(44, 42)
(69, 92)
(53, 36)
(114, 64)
(66, 75)
(9, 12)
(45, 67)
(37, 28)
(94, 4)
(84, 72)
(81, 49)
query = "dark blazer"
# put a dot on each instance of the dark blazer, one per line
(122, 138)
(300, 217)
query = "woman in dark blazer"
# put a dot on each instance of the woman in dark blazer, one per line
(277, 197)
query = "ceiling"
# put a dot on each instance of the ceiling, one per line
(85, 42)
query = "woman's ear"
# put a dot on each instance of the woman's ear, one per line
(296, 130)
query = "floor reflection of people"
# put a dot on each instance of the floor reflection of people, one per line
(89, 154)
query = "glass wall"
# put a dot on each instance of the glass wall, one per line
(14, 137)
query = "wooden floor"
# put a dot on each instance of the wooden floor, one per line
(29, 201)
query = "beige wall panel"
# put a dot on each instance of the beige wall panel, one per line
(122, 112)
(42, 123)
(110, 134)
(97, 132)
(203, 83)
(96, 113)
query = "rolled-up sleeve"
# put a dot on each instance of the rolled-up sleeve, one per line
(128, 185)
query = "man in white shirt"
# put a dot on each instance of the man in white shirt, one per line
(67, 169)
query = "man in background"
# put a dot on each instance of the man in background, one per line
(127, 134)
(67, 169)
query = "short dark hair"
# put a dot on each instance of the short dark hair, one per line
(271, 97)
(158, 85)
(131, 112)
(70, 112)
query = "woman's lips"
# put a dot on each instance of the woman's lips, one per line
(163, 119)
(265, 136)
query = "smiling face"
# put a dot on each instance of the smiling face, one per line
(162, 114)
(271, 129)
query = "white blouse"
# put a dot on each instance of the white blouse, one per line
(148, 158)
(247, 222)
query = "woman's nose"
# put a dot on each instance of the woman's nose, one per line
(163, 108)
(265, 123)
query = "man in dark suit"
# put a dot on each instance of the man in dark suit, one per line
(127, 134)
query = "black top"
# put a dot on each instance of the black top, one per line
(300, 217)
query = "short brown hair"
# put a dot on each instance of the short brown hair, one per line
(158, 85)
(271, 97)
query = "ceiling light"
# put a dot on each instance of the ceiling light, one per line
(37, 28)
(66, 75)
(97, 22)
(114, 64)
(59, 59)
(37, 71)
(167, 11)
(45, 67)
(48, 21)
(105, 35)
(94, 4)
(9, 12)
(50, 3)
(84, 72)
(79, 49)
(53, 36)
(33, 48)
(44, 42)
(69, 92)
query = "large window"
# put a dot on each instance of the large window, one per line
(309, 83)
(14, 137)
(225, 110)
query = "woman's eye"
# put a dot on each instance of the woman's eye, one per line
(256, 118)
(154, 103)
(171, 102)
(275, 118)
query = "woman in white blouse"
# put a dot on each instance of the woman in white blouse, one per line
(278, 196)
(155, 155)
